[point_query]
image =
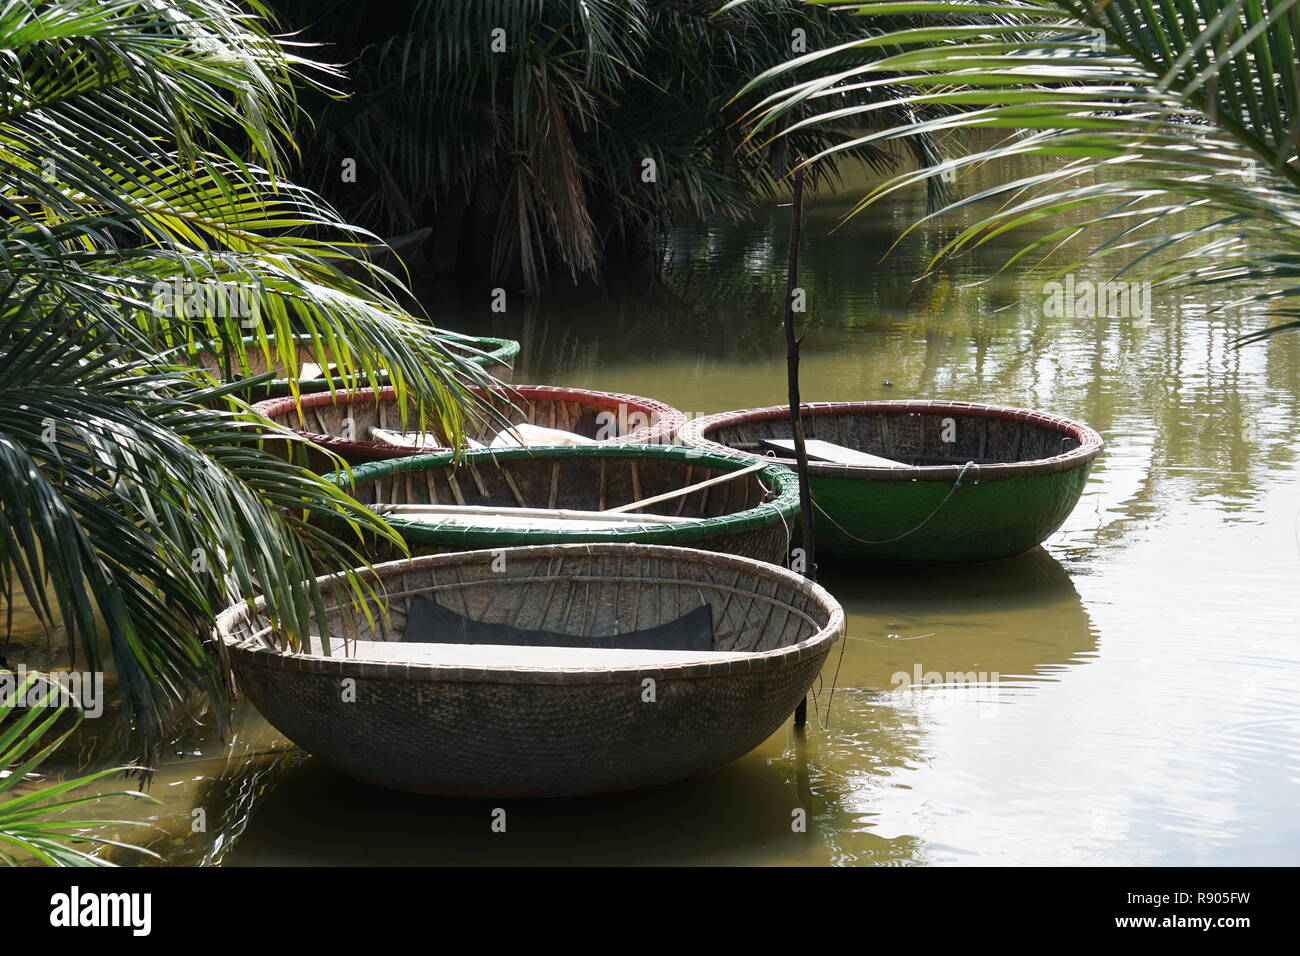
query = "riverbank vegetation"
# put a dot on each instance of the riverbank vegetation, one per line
(554, 141)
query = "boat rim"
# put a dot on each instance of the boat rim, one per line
(784, 503)
(1090, 445)
(730, 663)
(662, 427)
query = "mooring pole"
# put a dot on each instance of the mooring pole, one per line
(809, 541)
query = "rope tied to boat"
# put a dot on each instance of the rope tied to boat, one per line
(924, 521)
(825, 721)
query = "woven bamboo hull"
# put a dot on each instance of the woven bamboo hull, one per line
(341, 421)
(1027, 471)
(753, 516)
(498, 361)
(442, 726)
(523, 741)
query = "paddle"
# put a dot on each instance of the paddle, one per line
(510, 511)
(610, 514)
(668, 495)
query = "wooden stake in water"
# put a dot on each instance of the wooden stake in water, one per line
(796, 420)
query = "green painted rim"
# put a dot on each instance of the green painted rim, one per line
(496, 352)
(781, 482)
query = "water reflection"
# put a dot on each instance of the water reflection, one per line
(1021, 619)
(739, 815)
(205, 788)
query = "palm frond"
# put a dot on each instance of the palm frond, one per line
(1151, 110)
(145, 511)
(142, 142)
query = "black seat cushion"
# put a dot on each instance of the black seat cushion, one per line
(428, 622)
(588, 426)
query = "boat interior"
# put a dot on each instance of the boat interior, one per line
(907, 438)
(590, 484)
(598, 604)
(579, 417)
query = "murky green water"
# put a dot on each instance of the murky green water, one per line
(1137, 699)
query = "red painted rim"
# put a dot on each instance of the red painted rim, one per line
(696, 431)
(664, 419)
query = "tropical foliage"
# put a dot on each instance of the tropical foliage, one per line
(35, 819)
(558, 137)
(1175, 123)
(143, 148)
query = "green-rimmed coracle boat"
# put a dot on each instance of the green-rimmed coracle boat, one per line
(497, 498)
(551, 671)
(495, 356)
(922, 482)
(344, 422)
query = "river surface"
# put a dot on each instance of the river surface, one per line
(1136, 682)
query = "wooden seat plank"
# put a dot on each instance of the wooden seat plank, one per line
(836, 454)
(516, 656)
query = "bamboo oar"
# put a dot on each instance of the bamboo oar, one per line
(452, 510)
(609, 514)
(668, 495)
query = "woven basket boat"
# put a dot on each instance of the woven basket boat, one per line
(494, 356)
(752, 515)
(485, 720)
(972, 483)
(608, 418)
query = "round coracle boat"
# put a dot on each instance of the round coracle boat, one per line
(551, 671)
(369, 425)
(494, 356)
(921, 481)
(496, 498)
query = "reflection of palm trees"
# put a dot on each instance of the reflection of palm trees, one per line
(206, 789)
(231, 798)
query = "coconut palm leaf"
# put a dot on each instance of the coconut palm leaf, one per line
(145, 511)
(142, 507)
(1154, 108)
(34, 821)
(141, 144)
